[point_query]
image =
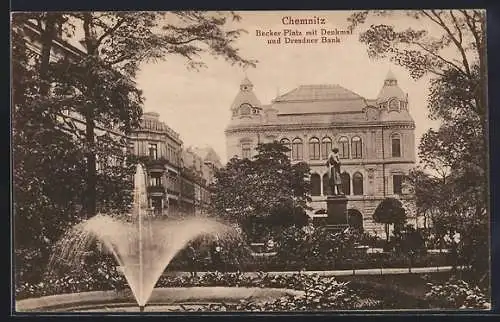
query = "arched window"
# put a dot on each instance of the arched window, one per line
(286, 142)
(315, 184)
(344, 148)
(326, 147)
(394, 104)
(314, 149)
(326, 186)
(297, 149)
(346, 183)
(357, 184)
(396, 145)
(245, 109)
(356, 147)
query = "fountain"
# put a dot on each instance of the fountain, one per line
(143, 245)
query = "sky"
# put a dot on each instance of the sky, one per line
(196, 104)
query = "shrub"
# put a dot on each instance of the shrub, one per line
(457, 294)
(320, 294)
(95, 275)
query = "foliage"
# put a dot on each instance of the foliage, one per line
(268, 189)
(389, 211)
(408, 240)
(94, 275)
(452, 186)
(457, 294)
(318, 294)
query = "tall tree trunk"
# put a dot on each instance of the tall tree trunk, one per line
(91, 194)
(47, 38)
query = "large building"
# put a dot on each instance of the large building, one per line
(375, 138)
(178, 179)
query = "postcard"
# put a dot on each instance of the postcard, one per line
(263, 161)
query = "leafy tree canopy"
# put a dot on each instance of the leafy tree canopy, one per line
(268, 186)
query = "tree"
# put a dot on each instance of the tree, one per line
(454, 156)
(389, 211)
(268, 189)
(99, 84)
(55, 159)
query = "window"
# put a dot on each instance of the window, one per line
(397, 184)
(346, 183)
(357, 184)
(326, 147)
(153, 151)
(297, 149)
(155, 181)
(394, 105)
(246, 151)
(343, 148)
(315, 184)
(314, 149)
(286, 142)
(396, 145)
(326, 185)
(356, 147)
(245, 109)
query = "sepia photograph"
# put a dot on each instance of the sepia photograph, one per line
(250, 161)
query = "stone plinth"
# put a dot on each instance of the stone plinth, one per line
(336, 207)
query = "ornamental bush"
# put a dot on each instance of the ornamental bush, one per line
(319, 294)
(457, 294)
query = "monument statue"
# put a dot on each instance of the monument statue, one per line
(334, 179)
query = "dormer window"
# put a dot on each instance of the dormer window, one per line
(394, 105)
(245, 109)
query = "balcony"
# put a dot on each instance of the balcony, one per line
(153, 165)
(156, 190)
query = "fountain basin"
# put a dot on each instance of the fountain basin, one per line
(162, 299)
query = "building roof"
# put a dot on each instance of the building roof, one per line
(246, 95)
(390, 89)
(319, 99)
(318, 93)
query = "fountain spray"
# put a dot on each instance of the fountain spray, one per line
(142, 255)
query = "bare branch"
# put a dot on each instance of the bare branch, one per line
(455, 41)
(457, 26)
(438, 57)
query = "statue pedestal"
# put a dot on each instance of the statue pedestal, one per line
(336, 207)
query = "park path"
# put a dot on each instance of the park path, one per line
(350, 272)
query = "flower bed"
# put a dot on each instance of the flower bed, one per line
(320, 292)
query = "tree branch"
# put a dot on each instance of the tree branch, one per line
(455, 41)
(184, 42)
(439, 57)
(457, 26)
(111, 30)
(473, 29)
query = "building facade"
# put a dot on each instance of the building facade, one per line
(178, 179)
(159, 148)
(375, 138)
